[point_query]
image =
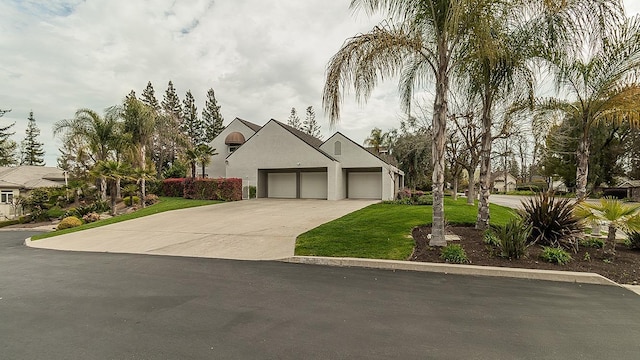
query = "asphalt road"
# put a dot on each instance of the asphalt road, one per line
(62, 305)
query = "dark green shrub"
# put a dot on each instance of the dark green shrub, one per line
(99, 206)
(177, 170)
(55, 212)
(512, 238)
(592, 242)
(131, 200)
(555, 255)
(37, 203)
(424, 200)
(252, 192)
(9, 222)
(491, 239)
(552, 220)
(71, 212)
(634, 239)
(454, 254)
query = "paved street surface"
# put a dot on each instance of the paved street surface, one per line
(75, 305)
(260, 229)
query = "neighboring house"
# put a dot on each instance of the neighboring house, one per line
(283, 162)
(627, 188)
(498, 180)
(19, 180)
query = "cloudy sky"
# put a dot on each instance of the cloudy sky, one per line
(261, 57)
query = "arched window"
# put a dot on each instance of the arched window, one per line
(337, 148)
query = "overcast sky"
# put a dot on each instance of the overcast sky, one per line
(261, 57)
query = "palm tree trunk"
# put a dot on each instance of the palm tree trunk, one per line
(118, 193)
(438, 149)
(113, 200)
(583, 166)
(103, 188)
(611, 241)
(482, 221)
(143, 189)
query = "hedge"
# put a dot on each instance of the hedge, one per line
(204, 189)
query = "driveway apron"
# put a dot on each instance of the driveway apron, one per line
(261, 229)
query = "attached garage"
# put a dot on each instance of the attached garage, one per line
(364, 185)
(281, 185)
(313, 185)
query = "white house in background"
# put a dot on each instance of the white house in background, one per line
(19, 180)
(283, 162)
(498, 179)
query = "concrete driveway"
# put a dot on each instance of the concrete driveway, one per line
(262, 229)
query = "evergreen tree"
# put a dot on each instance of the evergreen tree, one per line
(192, 127)
(7, 146)
(211, 117)
(149, 97)
(132, 95)
(168, 126)
(310, 126)
(294, 120)
(32, 151)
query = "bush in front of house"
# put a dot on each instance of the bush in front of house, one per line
(69, 222)
(552, 219)
(555, 255)
(173, 187)
(229, 189)
(512, 238)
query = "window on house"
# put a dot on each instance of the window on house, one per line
(337, 148)
(6, 196)
(233, 148)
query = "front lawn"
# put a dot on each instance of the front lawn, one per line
(383, 231)
(165, 204)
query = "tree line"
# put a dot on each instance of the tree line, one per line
(29, 152)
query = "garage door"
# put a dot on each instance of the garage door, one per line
(365, 185)
(313, 185)
(281, 185)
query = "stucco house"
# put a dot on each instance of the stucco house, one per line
(19, 180)
(498, 180)
(283, 162)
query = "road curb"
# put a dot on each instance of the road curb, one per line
(519, 273)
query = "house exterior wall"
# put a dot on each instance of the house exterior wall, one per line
(274, 147)
(6, 209)
(217, 168)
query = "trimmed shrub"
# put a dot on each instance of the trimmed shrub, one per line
(555, 255)
(91, 217)
(454, 254)
(552, 220)
(131, 200)
(173, 187)
(229, 189)
(512, 238)
(55, 213)
(69, 222)
(424, 200)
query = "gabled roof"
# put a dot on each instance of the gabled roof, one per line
(250, 125)
(499, 175)
(30, 177)
(363, 148)
(310, 140)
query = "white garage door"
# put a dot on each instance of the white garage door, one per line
(365, 185)
(313, 185)
(281, 185)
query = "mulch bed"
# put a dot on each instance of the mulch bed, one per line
(625, 269)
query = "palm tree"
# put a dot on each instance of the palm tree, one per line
(602, 86)
(613, 212)
(377, 139)
(101, 134)
(205, 152)
(113, 171)
(191, 156)
(139, 120)
(422, 44)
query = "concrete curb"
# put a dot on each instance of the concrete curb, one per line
(550, 275)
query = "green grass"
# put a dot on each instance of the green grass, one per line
(383, 231)
(165, 204)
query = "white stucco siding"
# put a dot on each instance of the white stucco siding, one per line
(217, 168)
(274, 147)
(351, 155)
(281, 185)
(313, 185)
(365, 185)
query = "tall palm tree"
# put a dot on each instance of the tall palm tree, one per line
(102, 135)
(205, 152)
(602, 85)
(423, 43)
(377, 139)
(139, 120)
